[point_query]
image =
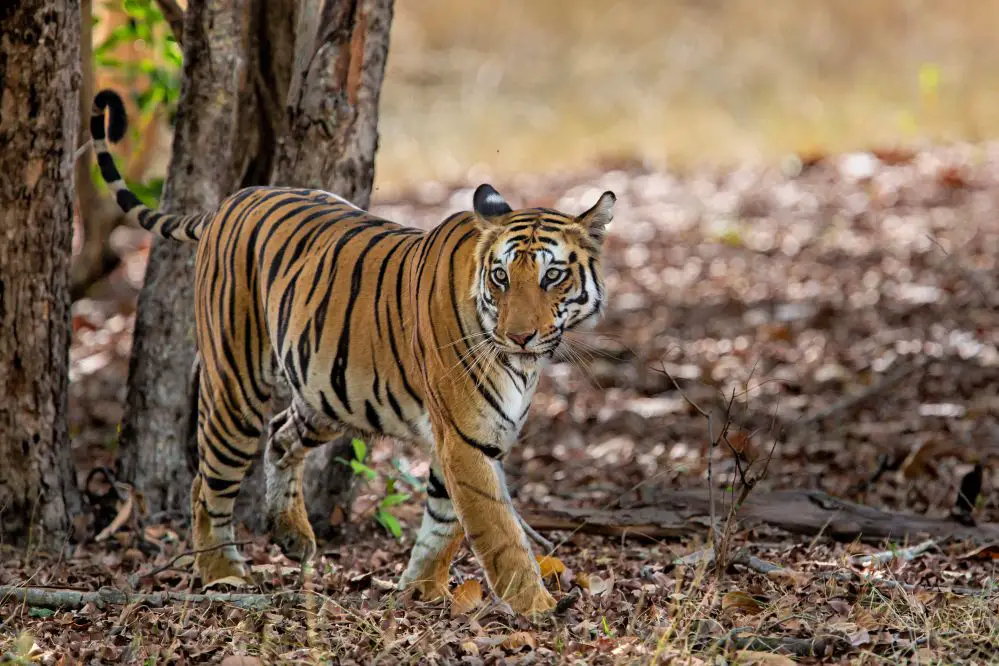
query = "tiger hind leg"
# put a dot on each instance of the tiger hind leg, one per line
(436, 543)
(292, 434)
(227, 443)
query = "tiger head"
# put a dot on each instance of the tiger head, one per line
(538, 272)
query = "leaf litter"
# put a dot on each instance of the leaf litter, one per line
(849, 305)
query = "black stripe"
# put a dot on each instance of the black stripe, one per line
(435, 488)
(127, 200)
(490, 450)
(372, 416)
(219, 485)
(438, 517)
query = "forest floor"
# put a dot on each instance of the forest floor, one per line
(840, 315)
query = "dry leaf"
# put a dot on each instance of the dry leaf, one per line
(859, 637)
(790, 578)
(467, 597)
(742, 602)
(598, 585)
(231, 581)
(550, 565)
(751, 657)
(520, 640)
(241, 660)
(470, 648)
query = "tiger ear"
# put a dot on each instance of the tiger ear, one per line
(597, 218)
(488, 203)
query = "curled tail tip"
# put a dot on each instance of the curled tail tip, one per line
(117, 117)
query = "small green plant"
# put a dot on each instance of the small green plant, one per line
(383, 511)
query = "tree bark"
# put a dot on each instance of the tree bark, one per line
(39, 80)
(212, 147)
(329, 142)
(332, 132)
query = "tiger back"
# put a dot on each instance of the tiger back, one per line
(435, 337)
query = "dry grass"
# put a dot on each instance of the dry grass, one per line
(529, 86)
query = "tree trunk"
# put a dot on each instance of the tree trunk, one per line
(99, 213)
(329, 143)
(332, 132)
(39, 80)
(212, 147)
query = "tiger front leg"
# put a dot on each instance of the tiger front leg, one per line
(492, 527)
(436, 543)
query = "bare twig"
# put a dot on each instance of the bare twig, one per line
(545, 544)
(906, 554)
(134, 578)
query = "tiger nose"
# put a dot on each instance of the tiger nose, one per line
(521, 338)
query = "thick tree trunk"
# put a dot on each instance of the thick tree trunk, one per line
(211, 152)
(39, 80)
(333, 100)
(329, 143)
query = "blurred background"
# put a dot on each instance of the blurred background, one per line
(529, 86)
(807, 211)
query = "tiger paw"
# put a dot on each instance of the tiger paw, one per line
(294, 535)
(532, 601)
(218, 568)
(428, 590)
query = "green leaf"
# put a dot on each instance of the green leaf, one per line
(361, 469)
(393, 499)
(390, 523)
(41, 612)
(360, 449)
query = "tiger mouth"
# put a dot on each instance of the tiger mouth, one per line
(541, 351)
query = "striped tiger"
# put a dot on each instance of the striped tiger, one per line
(380, 329)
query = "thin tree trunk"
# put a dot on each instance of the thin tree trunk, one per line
(39, 80)
(99, 213)
(211, 152)
(329, 143)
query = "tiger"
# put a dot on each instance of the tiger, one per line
(435, 337)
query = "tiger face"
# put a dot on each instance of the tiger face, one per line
(538, 272)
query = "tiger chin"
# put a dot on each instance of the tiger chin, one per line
(435, 337)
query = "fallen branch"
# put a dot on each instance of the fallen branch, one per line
(109, 596)
(669, 513)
